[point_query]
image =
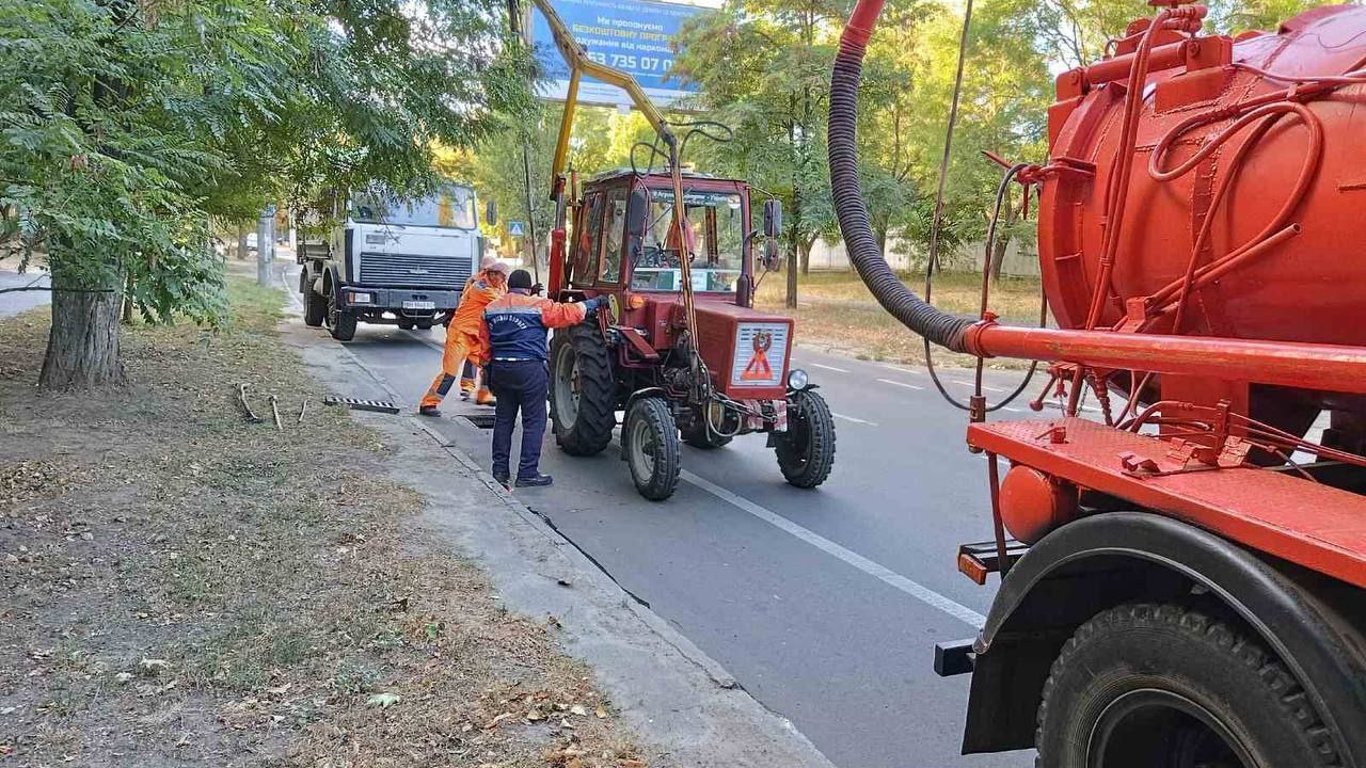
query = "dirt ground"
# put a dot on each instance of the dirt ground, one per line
(835, 310)
(181, 587)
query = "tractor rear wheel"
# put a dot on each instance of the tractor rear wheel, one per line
(650, 441)
(806, 451)
(1146, 685)
(583, 391)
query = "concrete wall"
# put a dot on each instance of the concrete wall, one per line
(1019, 262)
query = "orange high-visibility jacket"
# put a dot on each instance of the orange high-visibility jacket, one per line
(515, 325)
(469, 315)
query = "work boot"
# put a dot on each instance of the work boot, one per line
(429, 410)
(485, 397)
(535, 481)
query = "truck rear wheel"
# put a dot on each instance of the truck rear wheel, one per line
(806, 451)
(650, 441)
(341, 323)
(315, 306)
(583, 392)
(1167, 686)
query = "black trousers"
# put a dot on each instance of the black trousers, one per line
(520, 387)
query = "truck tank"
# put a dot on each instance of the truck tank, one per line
(1246, 173)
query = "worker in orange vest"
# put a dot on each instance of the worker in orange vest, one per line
(464, 347)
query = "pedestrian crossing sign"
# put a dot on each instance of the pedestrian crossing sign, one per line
(516, 228)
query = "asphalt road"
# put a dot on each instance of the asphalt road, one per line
(826, 604)
(14, 302)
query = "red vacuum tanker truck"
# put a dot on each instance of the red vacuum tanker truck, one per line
(1181, 578)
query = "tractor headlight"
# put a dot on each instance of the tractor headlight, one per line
(797, 379)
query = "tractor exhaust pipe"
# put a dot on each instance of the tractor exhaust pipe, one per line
(939, 327)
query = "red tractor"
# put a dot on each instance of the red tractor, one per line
(681, 350)
(1186, 586)
(729, 378)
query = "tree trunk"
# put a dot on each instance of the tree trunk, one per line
(998, 258)
(806, 258)
(127, 300)
(242, 240)
(83, 345)
(792, 275)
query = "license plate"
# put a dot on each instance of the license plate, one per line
(428, 305)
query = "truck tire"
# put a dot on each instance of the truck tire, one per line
(1169, 686)
(406, 325)
(583, 391)
(650, 442)
(806, 451)
(341, 323)
(315, 307)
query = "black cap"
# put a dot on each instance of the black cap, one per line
(520, 278)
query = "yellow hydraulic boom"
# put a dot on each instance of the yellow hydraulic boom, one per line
(579, 64)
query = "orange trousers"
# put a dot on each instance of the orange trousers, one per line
(461, 348)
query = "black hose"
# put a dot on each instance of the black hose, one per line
(939, 327)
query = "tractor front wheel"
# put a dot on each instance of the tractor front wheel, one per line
(583, 391)
(806, 451)
(650, 440)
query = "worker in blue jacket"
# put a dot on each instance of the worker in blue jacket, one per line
(515, 328)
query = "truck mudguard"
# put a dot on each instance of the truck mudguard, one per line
(1314, 624)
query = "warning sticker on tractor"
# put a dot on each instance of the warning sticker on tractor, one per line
(760, 355)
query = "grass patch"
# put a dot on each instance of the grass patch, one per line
(178, 586)
(835, 309)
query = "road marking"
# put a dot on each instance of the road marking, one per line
(899, 369)
(880, 572)
(829, 368)
(970, 385)
(899, 384)
(851, 418)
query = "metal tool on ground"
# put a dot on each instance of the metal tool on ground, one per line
(377, 406)
(275, 411)
(303, 408)
(246, 408)
(681, 346)
(1187, 575)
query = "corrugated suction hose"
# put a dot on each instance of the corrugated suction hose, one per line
(938, 327)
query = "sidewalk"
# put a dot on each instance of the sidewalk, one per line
(179, 586)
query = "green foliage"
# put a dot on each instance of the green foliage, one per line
(125, 125)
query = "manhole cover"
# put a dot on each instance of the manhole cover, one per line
(481, 420)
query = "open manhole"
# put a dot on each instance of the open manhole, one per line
(481, 420)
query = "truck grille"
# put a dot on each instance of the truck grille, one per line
(398, 269)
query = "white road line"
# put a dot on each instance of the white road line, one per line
(880, 572)
(970, 385)
(899, 369)
(851, 418)
(829, 368)
(899, 384)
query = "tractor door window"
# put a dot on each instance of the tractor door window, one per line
(613, 235)
(586, 251)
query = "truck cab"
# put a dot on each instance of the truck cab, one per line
(392, 261)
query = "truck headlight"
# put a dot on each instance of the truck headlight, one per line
(797, 379)
(361, 298)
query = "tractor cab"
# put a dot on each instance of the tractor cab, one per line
(623, 240)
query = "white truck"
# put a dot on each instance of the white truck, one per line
(391, 261)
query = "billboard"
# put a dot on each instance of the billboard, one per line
(631, 35)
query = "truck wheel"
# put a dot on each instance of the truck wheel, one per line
(583, 392)
(315, 307)
(406, 325)
(698, 436)
(806, 451)
(1168, 686)
(650, 440)
(341, 323)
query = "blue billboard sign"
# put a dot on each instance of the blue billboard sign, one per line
(634, 36)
